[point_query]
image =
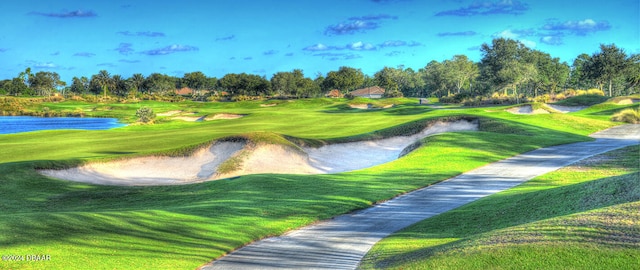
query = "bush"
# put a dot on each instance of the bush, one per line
(597, 92)
(394, 94)
(560, 96)
(581, 92)
(570, 92)
(630, 116)
(543, 99)
(145, 115)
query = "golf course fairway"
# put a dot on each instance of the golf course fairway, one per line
(87, 226)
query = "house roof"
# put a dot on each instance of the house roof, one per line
(184, 91)
(374, 90)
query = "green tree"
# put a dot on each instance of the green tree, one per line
(44, 83)
(195, 80)
(551, 73)
(506, 63)
(515, 73)
(462, 71)
(632, 74)
(120, 87)
(293, 84)
(17, 87)
(346, 79)
(79, 85)
(607, 65)
(101, 82)
(387, 78)
(578, 77)
(136, 82)
(436, 79)
(159, 83)
(245, 84)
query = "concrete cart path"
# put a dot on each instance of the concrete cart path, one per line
(340, 243)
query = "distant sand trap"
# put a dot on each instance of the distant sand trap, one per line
(203, 165)
(566, 109)
(189, 118)
(224, 116)
(526, 109)
(628, 101)
(169, 113)
(360, 106)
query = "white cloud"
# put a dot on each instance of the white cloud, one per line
(506, 34)
(317, 47)
(361, 46)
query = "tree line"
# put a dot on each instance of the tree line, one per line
(507, 67)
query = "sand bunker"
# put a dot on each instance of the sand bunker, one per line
(566, 109)
(203, 165)
(627, 101)
(169, 113)
(189, 118)
(526, 109)
(224, 116)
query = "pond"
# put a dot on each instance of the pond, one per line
(16, 124)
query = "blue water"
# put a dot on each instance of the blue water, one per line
(16, 124)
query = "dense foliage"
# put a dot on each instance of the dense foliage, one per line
(508, 70)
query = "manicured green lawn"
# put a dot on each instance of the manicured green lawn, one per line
(85, 226)
(584, 216)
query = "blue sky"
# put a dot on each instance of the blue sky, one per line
(79, 38)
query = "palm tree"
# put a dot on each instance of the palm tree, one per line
(137, 80)
(104, 80)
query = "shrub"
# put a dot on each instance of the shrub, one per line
(543, 99)
(581, 92)
(630, 116)
(145, 115)
(595, 92)
(560, 97)
(570, 92)
(393, 94)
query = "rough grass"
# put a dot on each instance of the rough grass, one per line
(582, 216)
(631, 116)
(89, 226)
(582, 100)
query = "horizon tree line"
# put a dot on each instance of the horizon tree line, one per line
(507, 67)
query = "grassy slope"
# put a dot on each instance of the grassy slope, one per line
(86, 226)
(582, 216)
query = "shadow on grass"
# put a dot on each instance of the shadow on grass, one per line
(411, 109)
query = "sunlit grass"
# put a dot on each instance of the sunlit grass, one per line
(89, 226)
(582, 216)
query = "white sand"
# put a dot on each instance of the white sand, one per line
(203, 165)
(224, 116)
(189, 118)
(144, 171)
(343, 157)
(169, 113)
(566, 109)
(526, 109)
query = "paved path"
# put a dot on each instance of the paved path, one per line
(340, 243)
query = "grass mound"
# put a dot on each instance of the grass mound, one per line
(582, 100)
